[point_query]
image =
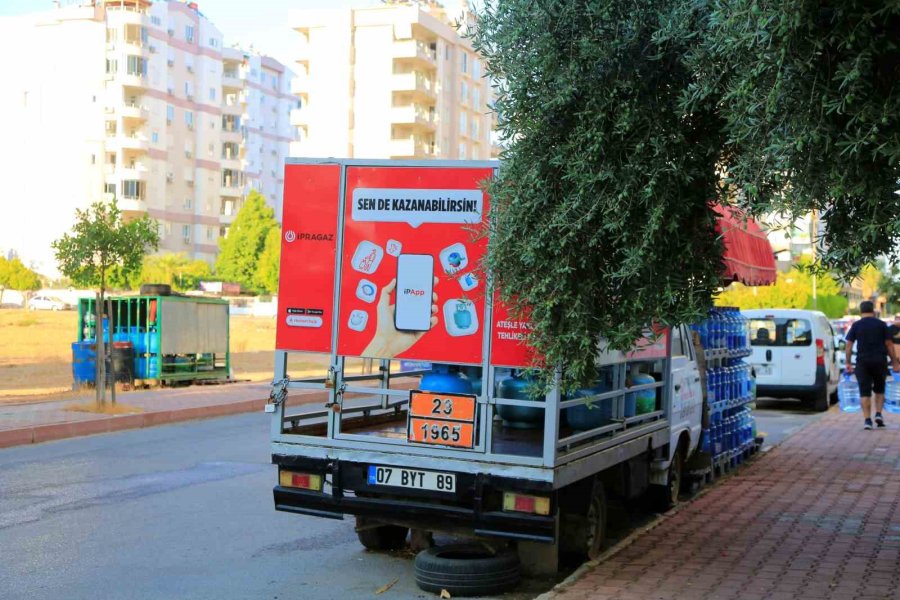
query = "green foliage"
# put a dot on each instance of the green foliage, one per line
(102, 241)
(241, 249)
(270, 262)
(177, 270)
(809, 94)
(600, 217)
(15, 275)
(791, 290)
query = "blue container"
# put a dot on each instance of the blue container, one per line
(152, 342)
(584, 417)
(84, 363)
(892, 395)
(645, 399)
(519, 417)
(848, 394)
(440, 379)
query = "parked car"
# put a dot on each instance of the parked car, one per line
(794, 355)
(47, 303)
(840, 344)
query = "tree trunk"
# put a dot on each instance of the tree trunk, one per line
(100, 383)
(112, 362)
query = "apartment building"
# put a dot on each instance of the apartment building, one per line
(140, 102)
(395, 81)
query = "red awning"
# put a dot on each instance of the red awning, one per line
(748, 254)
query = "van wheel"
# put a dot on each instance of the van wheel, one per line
(596, 522)
(380, 537)
(665, 497)
(821, 402)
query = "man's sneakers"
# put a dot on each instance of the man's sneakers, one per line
(879, 420)
(868, 424)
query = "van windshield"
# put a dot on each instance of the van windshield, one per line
(780, 332)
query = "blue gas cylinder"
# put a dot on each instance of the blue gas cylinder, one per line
(848, 394)
(519, 417)
(645, 399)
(440, 379)
(589, 416)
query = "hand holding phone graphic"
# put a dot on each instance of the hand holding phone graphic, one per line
(401, 325)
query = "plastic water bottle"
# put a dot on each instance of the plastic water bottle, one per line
(848, 394)
(892, 393)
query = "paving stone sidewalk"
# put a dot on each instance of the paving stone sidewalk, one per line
(816, 518)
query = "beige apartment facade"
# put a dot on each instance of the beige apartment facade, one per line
(140, 102)
(396, 81)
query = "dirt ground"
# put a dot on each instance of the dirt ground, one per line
(36, 353)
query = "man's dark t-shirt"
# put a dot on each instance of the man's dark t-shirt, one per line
(869, 334)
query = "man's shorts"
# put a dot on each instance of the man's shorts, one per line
(871, 374)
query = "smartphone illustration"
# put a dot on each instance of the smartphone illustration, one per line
(415, 281)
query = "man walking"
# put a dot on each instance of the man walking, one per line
(874, 347)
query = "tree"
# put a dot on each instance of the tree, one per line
(176, 270)
(600, 217)
(623, 122)
(791, 290)
(240, 250)
(270, 262)
(100, 241)
(808, 94)
(15, 275)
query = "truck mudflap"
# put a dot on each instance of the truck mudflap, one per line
(475, 506)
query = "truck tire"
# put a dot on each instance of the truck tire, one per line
(467, 570)
(156, 289)
(381, 537)
(821, 402)
(583, 529)
(665, 497)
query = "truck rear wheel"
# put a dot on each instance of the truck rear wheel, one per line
(665, 497)
(380, 537)
(583, 530)
(821, 401)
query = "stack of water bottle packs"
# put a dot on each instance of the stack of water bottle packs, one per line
(725, 336)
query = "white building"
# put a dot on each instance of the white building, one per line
(136, 101)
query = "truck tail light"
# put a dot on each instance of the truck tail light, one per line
(538, 505)
(820, 353)
(305, 481)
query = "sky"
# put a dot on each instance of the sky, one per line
(262, 23)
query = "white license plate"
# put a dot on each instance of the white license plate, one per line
(412, 478)
(764, 370)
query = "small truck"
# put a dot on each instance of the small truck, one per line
(442, 432)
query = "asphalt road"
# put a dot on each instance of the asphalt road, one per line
(185, 511)
(778, 419)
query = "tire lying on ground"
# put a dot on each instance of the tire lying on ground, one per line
(467, 570)
(156, 289)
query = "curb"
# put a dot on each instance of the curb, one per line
(58, 431)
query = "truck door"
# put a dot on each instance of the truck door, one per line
(687, 395)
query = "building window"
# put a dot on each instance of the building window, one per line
(464, 92)
(213, 42)
(112, 66)
(137, 66)
(110, 189)
(189, 119)
(464, 61)
(212, 93)
(462, 123)
(188, 203)
(474, 128)
(93, 159)
(154, 137)
(476, 68)
(170, 113)
(210, 233)
(189, 33)
(186, 233)
(133, 190)
(476, 98)
(462, 150)
(156, 21)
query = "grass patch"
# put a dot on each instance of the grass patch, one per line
(104, 409)
(26, 323)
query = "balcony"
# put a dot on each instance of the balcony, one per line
(130, 206)
(300, 116)
(300, 85)
(231, 80)
(415, 51)
(134, 141)
(413, 115)
(232, 136)
(138, 172)
(232, 109)
(411, 147)
(132, 12)
(131, 79)
(232, 163)
(415, 83)
(230, 188)
(134, 110)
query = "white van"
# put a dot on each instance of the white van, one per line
(794, 355)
